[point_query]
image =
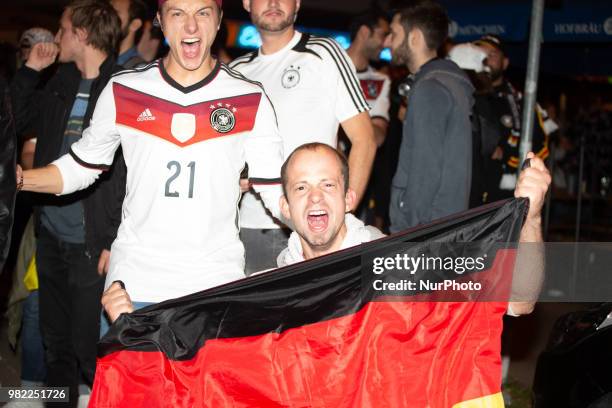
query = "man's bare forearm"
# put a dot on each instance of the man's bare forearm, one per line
(360, 132)
(46, 179)
(529, 268)
(528, 277)
(532, 230)
(360, 165)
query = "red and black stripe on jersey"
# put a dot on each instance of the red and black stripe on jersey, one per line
(130, 104)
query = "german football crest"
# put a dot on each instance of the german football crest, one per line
(373, 89)
(291, 77)
(222, 119)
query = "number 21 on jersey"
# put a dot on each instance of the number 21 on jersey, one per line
(175, 181)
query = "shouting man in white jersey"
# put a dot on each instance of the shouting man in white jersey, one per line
(313, 86)
(187, 125)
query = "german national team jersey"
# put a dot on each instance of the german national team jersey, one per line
(375, 87)
(313, 87)
(184, 148)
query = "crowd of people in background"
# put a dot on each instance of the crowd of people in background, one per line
(433, 134)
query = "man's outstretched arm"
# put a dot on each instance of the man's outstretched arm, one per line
(528, 277)
(63, 176)
(46, 179)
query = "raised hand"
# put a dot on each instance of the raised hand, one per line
(42, 55)
(533, 183)
(116, 301)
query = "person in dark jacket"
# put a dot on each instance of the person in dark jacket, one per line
(434, 168)
(8, 142)
(502, 138)
(72, 231)
(470, 58)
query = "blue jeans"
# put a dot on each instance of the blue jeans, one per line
(33, 366)
(105, 322)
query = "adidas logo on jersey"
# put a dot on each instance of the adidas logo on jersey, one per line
(145, 115)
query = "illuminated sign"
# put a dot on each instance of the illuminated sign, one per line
(385, 54)
(246, 36)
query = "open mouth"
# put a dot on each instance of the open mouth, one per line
(317, 220)
(191, 47)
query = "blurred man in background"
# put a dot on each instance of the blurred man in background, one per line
(368, 32)
(470, 58)
(133, 14)
(501, 167)
(312, 84)
(150, 42)
(434, 168)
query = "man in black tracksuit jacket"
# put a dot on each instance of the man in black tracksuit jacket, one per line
(73, 230)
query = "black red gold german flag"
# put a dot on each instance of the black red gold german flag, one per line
(308, 335)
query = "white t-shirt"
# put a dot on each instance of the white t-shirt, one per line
(375, 86)
(313, 86)
(184, 149)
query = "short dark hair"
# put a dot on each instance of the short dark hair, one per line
(429, 17)
(370, 19)
(100, 20)
(138, 10)
(344, 168)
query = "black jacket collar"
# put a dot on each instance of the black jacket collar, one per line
(70, 76)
